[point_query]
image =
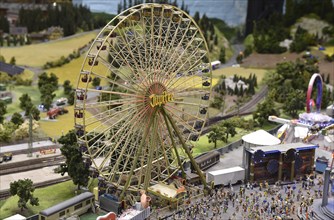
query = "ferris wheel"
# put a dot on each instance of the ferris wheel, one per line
(135, 129)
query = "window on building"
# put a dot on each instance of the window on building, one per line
(87, 202)
(78, 206)
(62, 213)
(42, 218)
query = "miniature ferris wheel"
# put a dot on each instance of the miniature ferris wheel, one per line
(135, 129)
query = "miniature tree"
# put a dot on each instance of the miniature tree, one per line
(217, 134)
(24, 190)
(3, 111)
(74, 165)
(17, 119)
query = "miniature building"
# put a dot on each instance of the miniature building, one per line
(283, 162)
(255, 139)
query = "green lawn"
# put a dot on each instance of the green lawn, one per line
(240, 71)
(48, 197)
(39, 54)
(32, 91)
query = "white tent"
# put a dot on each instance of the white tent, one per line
(16, 217)
(261, 138)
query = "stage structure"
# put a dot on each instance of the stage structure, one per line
(283, 162)
(152, 62)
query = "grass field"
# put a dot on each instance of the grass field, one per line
(48, 197)
(38, 54)
(62, 124)
(32, 91)
(240, 71)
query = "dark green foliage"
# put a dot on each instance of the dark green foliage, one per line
(268, 33)
(264, 110)
(70, 97)
(294, 101)
(17, 119)
(12, 61)
(196, 17)
(62, 60)
(47, 86)
(4, 24)
(302, 40)
(222, 55)
(285, 77)
(24, 190)
(66, 15)
(229, 128)
(6, 134)
(217, 102)
(67, 87)
(3, 111)
(217, 134)
(35, 113)
(74, 165)
(96, 81)
(25, 103)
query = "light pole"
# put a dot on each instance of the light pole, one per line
(237, 102)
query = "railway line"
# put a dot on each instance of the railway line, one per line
(54, 160)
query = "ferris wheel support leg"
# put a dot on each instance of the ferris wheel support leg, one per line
(139, 150)
(193, 162)
(174, 146)
(150, 158)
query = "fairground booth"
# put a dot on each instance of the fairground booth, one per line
(283, 162)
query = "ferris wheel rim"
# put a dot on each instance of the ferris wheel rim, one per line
(171, 86)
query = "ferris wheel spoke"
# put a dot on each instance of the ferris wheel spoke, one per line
(116, 102)
(193, 60)
(180, 120)
(104, 117)
(127, 129)
(128, 43)
(116, 93)
(180, 64)
(172, 51)
(131, 141)
(119, 120)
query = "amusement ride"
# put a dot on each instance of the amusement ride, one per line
(135, 129)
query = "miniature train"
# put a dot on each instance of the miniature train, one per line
(75, 206)
(205, 161)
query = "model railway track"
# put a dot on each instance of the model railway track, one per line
(21, 166)
(5, 193)
(246, 109)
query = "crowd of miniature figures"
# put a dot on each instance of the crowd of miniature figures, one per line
(252, 201)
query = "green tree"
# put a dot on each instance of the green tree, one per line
(6, 132)
(2, 59)
(197, 17)
(96, 81)
(229, 127)
(17, 119)
(217, 102)
(74, 165)
(42, 79)
(294, 102)
(264, 110)
(3, 111)
(35, 113)
(222, 55)
(24, 190)
(25, 101)
(217, 134)
(70, 97)
(12, 61)
(67, 87)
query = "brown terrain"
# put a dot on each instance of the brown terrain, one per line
(269, 61)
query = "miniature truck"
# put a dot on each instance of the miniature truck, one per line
(226, 176)
(54, 112)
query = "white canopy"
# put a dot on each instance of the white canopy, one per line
(16, 217)
(261, 138)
